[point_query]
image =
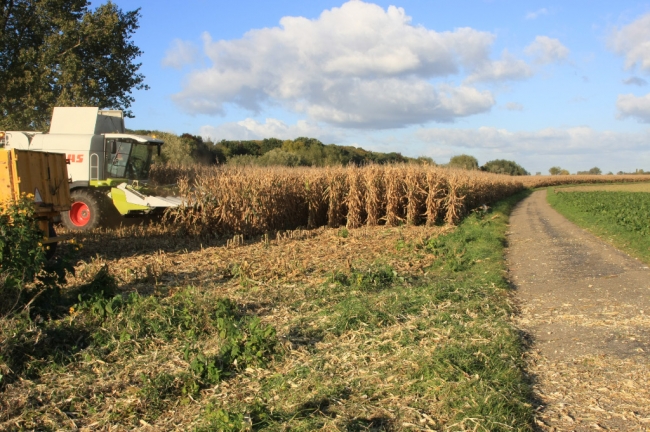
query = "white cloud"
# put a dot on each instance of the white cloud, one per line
(358, 66)
(633, 42)
(514, 106)
(508, 68)
(180, 53)
(549, 141)
(547, 50)
(394, 103)
(633, 106)
(536, 14)
(635, 81)
(251, 129)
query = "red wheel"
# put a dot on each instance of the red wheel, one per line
(80, 214)
(85, 212)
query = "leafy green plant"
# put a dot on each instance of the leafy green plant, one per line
(219, 419)
(21, 250)
(375, 278)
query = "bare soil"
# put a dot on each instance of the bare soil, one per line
(586, 308)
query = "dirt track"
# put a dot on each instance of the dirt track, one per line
(586, 307)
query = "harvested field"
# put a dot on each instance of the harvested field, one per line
(373, 328)
(630, 187)
(557, 180)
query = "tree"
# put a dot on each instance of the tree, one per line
(62, 53)
(464, 161)
(556, 170)
(595, 171)
(502, 166)
(279, 157)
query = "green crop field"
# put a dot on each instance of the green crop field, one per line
(617, 187)
(623, 218)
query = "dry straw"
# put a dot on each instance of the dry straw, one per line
(254, 200)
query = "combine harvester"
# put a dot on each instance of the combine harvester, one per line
(108, 168)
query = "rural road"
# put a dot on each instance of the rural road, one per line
(586, 307)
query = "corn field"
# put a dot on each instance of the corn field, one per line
(255, 200)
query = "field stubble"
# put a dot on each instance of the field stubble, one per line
(377, 328)
(560, 180)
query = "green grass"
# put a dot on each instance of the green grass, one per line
(620, 218)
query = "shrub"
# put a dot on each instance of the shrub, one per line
(464, 162)
(21, 251)
(502, 166)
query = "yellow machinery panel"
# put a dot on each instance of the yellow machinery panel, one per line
(41, 174)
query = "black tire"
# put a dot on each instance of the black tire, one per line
(50, 248)
(86, 212)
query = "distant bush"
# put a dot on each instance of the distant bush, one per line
(637, 171)
(593, 171)
(502, 166)
(556, 170)
(464, 162)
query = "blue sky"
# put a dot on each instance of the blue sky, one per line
(541, 83)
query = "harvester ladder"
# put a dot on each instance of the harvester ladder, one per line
(94, 166)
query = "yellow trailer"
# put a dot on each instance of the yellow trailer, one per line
(43, 176)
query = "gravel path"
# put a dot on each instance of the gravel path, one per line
(586, 307)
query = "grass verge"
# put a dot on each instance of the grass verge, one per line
(620, 218)
(405, 328)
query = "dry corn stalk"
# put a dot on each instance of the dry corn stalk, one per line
(394, 195)
(228, 200)
(355, 198)
(336, 191)
(436, 193)
(373, 179)
(413, 187)
(455, 200)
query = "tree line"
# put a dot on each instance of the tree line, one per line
(187, 149)
(497, 166)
